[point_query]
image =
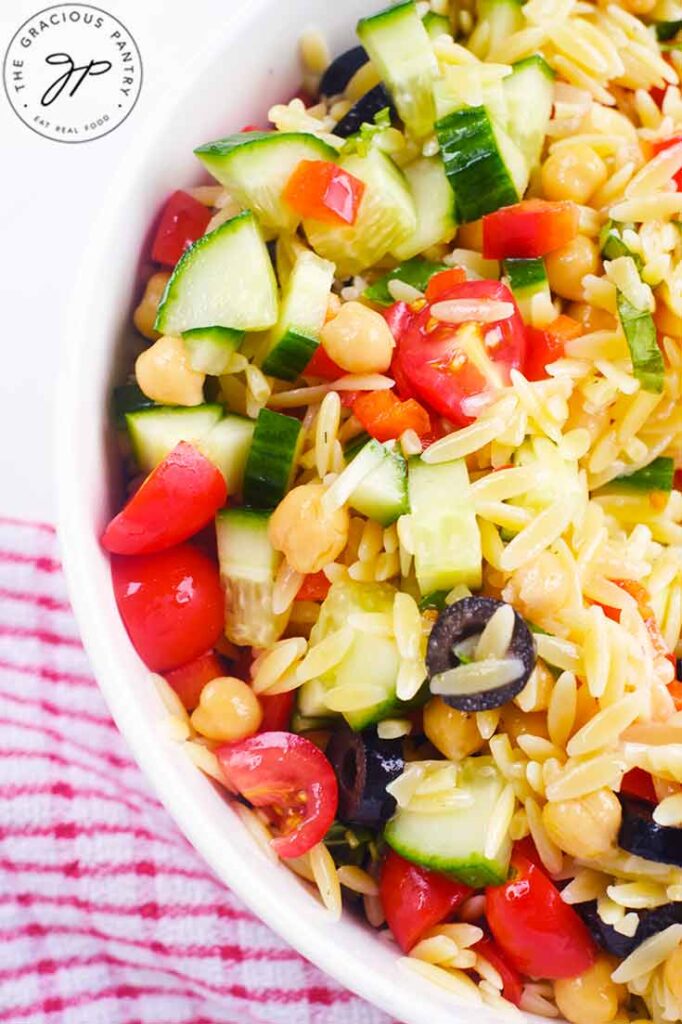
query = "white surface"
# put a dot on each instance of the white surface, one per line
(50, 194)
(347, 950)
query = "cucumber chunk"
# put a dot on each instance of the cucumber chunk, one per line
(382, 494)
(154, 432)
(416, 272)
(486, 170)
(445, 534)
(227, 445)
(271, 459)
(436, 25)
(255, 167)
(529, 91)
(497, 20)
(386, 216)
(435, 206)
(454, 840)
(210, 348)
(400, 49)
(224, 280)
(530, 287)
(370, 658)
(248, 564)
(303, 309)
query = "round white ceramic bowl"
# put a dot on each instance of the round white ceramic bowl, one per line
(253, 64)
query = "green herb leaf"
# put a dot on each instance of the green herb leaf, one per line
(416, 272)
(657, 476)
(640, 334)
(612, 245)
(361, 140)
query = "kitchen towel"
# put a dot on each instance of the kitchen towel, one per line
(107, 914)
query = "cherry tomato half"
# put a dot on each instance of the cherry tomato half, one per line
(183, 220)
(414, 899)
(277, 711)
(537, 932)
(176, 500)
(511, 979)
(171, 603)
(291, 780)
(454, 367)
(189, 680)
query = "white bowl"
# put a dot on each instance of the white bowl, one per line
(253, 64)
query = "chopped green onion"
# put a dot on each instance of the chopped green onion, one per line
(416, 272)
(360, 141)
(640, 334)
(657, 476)
(436, 600)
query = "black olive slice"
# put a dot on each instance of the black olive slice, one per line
(364, 111)
(641, 835)
(650, 923)
(364, 766)
(467, 618)
(341, 70)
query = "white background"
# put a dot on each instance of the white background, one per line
(49, 194)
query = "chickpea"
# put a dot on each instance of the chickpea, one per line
(573, 172)
(539, 589)
(516, 722)
(591, 997)
(164, 374)
(470, 236)
(358, 339)
(454, 733)
(585, 827)
(593, 318)
(308, 535)
(566, 267)
(228, 710)
(145, 314)
(672, 976)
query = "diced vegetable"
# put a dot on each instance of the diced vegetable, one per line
(639, 784)
(256, 166)
(401, 50)
(453, 839)
(612, 245)
(445, 534)
(227, 445)
(513, 985)
(529, 95)
(415, 899)
(545, 345)
(440, 284)
(385, 417)
(305, 298)
(271, 459)
(529, 229)
(176, 500)
(657, 476)
(537, 932)
(529, 285)
(189, 680)
(640, 334)
(211, 348)
(496, 21)
(183, 220)
(315, 587)
(290, 780)
(323, 191)
(196, 295)
(157, 430)
(435, 205)
(436, 25)
(662, 144)
(416, 272)
(171, 604)
(382, 493)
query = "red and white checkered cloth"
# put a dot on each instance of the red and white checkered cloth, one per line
(107, 915)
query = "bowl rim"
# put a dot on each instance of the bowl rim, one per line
(402, 995)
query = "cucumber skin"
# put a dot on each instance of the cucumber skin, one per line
(525, 276)
(416, 272)
(267, 476)
(290, 356)
(474, 872)
(481, 185)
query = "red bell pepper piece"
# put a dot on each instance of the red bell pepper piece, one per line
(513, 986)
(322, 191)
(660, 145)
(323, 366)
(545, 344)
(385, 417)
(315, 587)
(638, 783)
(176, 500)
(189, 680)
(276, 711)
(414, 899)
(183, 220)
(530, 228)
(442, 282)
(537, 932)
